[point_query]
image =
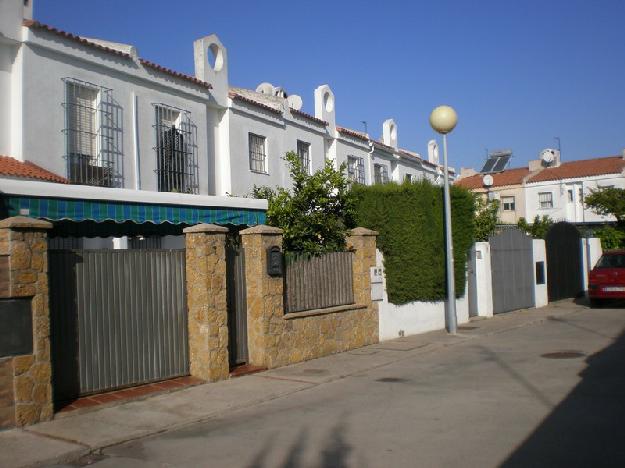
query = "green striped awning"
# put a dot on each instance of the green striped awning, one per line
(56, 209)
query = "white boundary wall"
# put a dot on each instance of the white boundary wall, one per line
(541, 297)
(415, 317)
(480, 288)
(591, 252)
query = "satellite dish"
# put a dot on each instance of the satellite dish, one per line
(295, 101)
(548, 156)
(265, 88)
(487, 180)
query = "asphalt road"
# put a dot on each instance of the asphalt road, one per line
(491, 401)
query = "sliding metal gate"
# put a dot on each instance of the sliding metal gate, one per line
(118, 318)
(512, 268)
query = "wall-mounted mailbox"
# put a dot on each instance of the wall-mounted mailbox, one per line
(377, 284)
(540, 272)
(274, 261)
(16, 327)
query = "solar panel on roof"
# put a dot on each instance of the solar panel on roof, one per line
(502, 162)
(488, 165)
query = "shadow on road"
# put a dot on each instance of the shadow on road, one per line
(334, 453)
(588, 427)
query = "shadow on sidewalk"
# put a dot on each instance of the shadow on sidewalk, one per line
(588, 427)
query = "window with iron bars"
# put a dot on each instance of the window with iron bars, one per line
(176, 150)
(93, 134)
(258, 154)
(303, 151)
(356, 169)
(380, 174)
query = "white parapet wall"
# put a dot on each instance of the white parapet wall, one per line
(480, 285)
(415, 317)
(540, 290)
(591, 252)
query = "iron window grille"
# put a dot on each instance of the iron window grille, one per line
(545, 200)
(380, 174)
(356, 169)
(508, 203)
(93, 134)
(176, 150)
(303, 152)
(258, 153)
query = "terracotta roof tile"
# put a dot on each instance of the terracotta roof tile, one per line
(500, 179)
(581, 168)
(169, 71)
(37, 25)
(73, 37)
(384, 146)
(312, 118)
(239, 97)
(353, 133)
(13, 168)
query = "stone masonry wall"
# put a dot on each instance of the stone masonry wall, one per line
(25, 381)
(275, 339)
(207, 301)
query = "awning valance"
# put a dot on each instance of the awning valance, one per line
(57, 209)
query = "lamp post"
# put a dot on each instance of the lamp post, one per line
(443, 120)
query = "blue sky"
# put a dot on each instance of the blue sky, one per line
(518, 72)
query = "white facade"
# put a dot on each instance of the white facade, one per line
(38, 64)
(566, 197)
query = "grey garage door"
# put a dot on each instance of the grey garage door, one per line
(512, 271)
(118, 318)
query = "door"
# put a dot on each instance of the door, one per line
(237, 301)
(564, 261)
(512, 268)
(118, 318)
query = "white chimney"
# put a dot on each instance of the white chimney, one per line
(433, 151)
(389, 133)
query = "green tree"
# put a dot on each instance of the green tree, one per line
(317, 213)
(538, 229)
(608, 201)
(486, 217)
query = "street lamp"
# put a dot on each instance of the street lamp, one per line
(443, 119)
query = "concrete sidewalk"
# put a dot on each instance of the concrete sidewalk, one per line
(74, 435)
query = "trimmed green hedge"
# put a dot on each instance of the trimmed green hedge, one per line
(409, 218)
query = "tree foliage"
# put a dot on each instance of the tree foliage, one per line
(538, 229)
(410, 221)
(611, 237)
(608, 201)
(486, 217)
(316, 214)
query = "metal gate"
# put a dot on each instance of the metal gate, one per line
(564, 261)
(237, 301)
(512, 271)
(118, 318)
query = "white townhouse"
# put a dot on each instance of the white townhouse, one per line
(559, 191)
(134, 142)
(266, 123)
(549, 187)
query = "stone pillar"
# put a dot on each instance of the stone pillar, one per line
(362, 242)
(207, 301)
(264, 292)
(26, 379)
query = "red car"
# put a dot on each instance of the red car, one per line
(607, 278)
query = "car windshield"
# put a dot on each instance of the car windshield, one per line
(612, 261)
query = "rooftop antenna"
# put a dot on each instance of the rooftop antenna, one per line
(557, 138)
(364, 122)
